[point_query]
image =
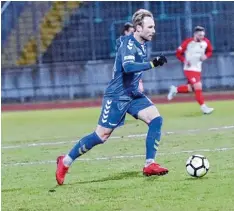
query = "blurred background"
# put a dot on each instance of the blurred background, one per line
(65, 50)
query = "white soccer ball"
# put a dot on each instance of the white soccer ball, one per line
(197, 166)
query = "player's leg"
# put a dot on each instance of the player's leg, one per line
(200, 98)
(194, 78)
(184, 88)
(173, 90)
(152, 118)
(109, 119)
(144, 110)
(198, 92)
(99, 136)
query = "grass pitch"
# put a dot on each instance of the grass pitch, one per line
(110, 176)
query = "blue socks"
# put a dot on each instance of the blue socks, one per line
(88, 142)
(153, 137)
(84, 145)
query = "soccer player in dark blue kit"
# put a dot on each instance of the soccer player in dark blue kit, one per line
(122, 96)
(128, 29)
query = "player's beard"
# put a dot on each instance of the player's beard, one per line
(145, 39)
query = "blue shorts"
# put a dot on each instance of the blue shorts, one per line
(114, 110)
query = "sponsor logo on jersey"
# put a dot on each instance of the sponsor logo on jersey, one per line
(130, 57)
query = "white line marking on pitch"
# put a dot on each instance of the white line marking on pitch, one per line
(116, 137)
(120, 156)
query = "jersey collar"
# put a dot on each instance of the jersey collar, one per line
(139, 45)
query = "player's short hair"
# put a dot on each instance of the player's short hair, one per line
(199, 29)
(139, 15)
(127, 26)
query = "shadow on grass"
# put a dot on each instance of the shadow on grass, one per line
(11, 190)
(192, 114)
(114, 177)
(196, 178)
(119, 176)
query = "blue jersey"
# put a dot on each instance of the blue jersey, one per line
(130, 61)
(119, 41)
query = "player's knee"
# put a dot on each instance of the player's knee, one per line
(103, 136)
(148, 114)
(156, 122)
(190, 88)
(103, 133)
(197, 86)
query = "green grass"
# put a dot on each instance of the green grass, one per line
(118, 184)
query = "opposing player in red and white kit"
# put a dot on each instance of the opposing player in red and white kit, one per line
(192, 53)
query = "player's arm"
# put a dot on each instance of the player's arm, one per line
(134, 67)
(209, 50)
(130, 66)
(181, 49)
(118, 42)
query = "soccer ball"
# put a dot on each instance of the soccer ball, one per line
(197, 166)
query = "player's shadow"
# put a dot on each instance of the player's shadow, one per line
(11, 189)
(196, 178)
(119, 176)
(192, 114)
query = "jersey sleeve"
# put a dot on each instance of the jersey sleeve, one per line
(118, 42)
(128, 53)
(209, 49)
(128, 59)
(182, 48)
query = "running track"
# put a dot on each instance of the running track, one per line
(97, 102)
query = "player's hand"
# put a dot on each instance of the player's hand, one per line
(203, 58)
(159, 60)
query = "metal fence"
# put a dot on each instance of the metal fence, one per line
(78, 60)
(90, 31)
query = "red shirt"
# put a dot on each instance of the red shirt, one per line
(191, 50)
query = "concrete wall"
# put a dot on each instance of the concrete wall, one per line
(77, 80)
